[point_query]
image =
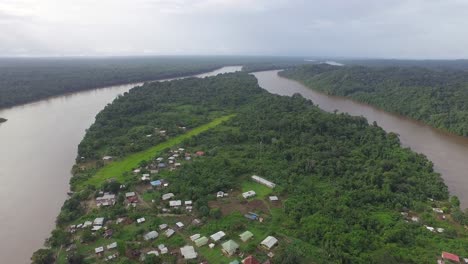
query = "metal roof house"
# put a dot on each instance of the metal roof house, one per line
(217, 236)
(249, 194)
(188, 252)
(269, 242)
(263, 181)
(151, 235)
(167, 196)
(201, 241)
(246, 236)
(230, 247)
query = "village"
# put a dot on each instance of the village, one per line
(159, 223)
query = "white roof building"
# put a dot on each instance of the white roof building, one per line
(188, 252)
(153, 252)
(273, 198)
(167, 196)
(169, 232)
(99, 250)
(141, 220)
(269, 242)
(151, 235)
(112, 245)
(217, 236)
(175, 203)
(162, 226)
(249, 194)
(263, 181)
(163, 249)
(180, 224)
(194, 237)
(98, 221)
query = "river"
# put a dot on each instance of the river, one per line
(448, 152)
(38, 147)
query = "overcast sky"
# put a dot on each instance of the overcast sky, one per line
(350, 28)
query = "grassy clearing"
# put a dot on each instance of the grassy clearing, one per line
(261, 190)
(116, 169)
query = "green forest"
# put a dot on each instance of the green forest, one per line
(436, 97)
(349, 193)
(24, 80)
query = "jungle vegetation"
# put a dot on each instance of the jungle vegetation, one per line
(436, 97)
(344, 183)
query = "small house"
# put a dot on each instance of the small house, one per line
(220, 194)
(249, 194)
(269, 242)
(162, 165)
(194, 237)
(112, 245)
(98, 221)
(169, 232)
(180, 224)
(200, 153)
(251, 216)
(450, 257)
(141, 220)
(107, 158)
(175, 203)
(163, 249)
(246, 236)
(162, 226)
(131, 197)
(274, 198)
(201, 241)
(229, 247)
(217, 236)
(151, 235)
(189, 202)
(145, 177)
(99, 250)
(107, 199)
(188, 252)
(156, 183)
(167, 196)
(438, 210)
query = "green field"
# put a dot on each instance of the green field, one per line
(116, 169)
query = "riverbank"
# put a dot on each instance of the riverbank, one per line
(448, 152)
(33, 145)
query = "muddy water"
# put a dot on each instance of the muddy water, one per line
(448, 152)
(38, 147)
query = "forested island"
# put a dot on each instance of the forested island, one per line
(2, 120)
(25, 80)
(165, 174)
(436, 97)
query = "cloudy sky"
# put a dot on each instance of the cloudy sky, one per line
(350, 28)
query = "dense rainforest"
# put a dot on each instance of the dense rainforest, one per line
(23, 80)
(349, 193)
(437, 98)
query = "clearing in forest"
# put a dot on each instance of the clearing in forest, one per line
(116, 169)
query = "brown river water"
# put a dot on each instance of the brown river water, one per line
(38, 147)
(39, 141)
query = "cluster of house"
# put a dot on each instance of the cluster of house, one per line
(176, 204)
(416, 219)
(100, 250)
(95, 225)
(447, 257)
(229, 247)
